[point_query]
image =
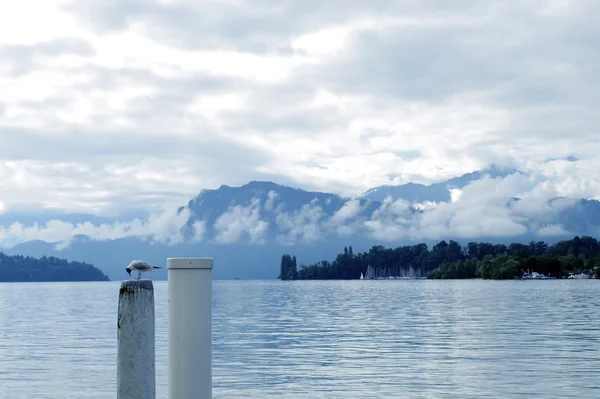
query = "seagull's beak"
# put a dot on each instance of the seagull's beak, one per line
(128, 271)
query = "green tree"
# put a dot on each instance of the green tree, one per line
(283, 268)
(288, 269)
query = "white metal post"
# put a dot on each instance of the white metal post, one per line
(190, 328)
(136, 378)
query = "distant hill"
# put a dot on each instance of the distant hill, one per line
(18, 268)
(247, 228)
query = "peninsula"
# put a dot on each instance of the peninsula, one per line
(579, 256)
(27, 269)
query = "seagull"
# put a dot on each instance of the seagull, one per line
(141, 266)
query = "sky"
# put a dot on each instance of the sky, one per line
(117, 104)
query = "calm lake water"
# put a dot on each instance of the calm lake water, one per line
(363, 339)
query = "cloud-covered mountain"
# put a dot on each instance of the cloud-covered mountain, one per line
(260, 211)
(247, 228)
(494, 202)
(437, 192)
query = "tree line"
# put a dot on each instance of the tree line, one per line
(451, 260)
(20, 268)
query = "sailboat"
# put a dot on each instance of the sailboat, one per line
(362, 277)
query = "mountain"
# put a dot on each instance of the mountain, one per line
(583, 216)
(259, 204)
(437, 192)
(246, 229)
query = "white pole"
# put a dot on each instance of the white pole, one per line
(136, 378)
(190, 328)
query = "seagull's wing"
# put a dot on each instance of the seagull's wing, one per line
(141, 266)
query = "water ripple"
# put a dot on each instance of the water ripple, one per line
(369, 339)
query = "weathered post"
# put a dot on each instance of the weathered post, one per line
(136, 378)
(190, 328)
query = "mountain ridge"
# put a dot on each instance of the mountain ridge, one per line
(249, 226)
(435, 192)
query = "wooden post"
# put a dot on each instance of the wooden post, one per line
(136, 378)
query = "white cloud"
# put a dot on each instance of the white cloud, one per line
(344, 221)
(133, 49)
(199, 227)
(19, 25)
(210, 106)
(455, 194)
(425, 205)
(391, 221)
(480, 211)
(321, 43)
(270, 203)
(349, 210)
(231, 225)
(165, 228)
(302, 225)
(139, 106)
(552, 230)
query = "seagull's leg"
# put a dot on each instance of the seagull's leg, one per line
(139, 275)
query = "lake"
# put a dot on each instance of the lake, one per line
(323, 339)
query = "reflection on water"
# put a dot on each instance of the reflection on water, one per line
(272, 339)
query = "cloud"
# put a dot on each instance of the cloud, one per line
(390, 221)
(199, 227)
(483, 209)
(237, 220)
(139, 105)
(165, 228)
(349, 210)
(302, 225)
(455, 194)
(99, 177)
(270, 203)
(552, 230)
